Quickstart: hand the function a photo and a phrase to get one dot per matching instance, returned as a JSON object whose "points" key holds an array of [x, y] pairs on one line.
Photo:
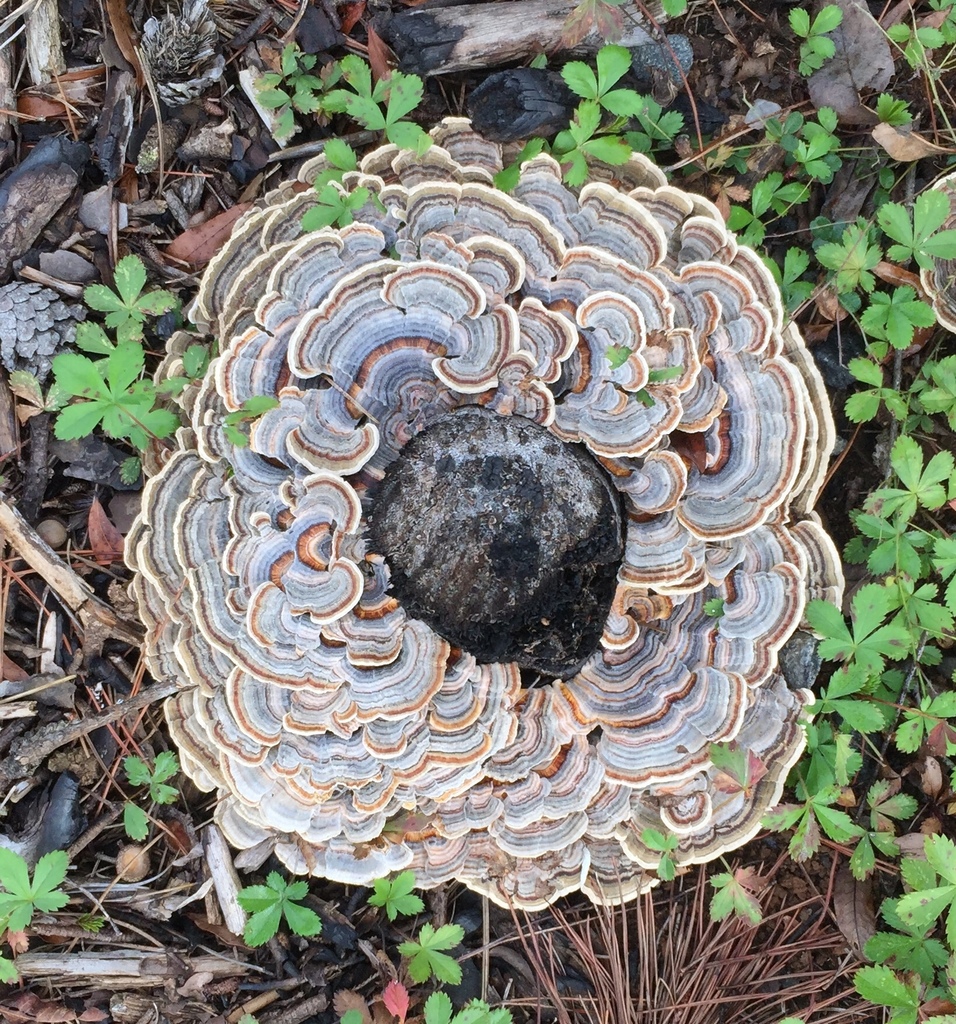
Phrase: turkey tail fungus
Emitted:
{"points": [[452, 607]]}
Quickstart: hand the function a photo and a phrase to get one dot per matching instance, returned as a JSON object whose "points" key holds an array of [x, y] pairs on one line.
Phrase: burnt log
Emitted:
{"points": [[435, 38], [520, 103]]}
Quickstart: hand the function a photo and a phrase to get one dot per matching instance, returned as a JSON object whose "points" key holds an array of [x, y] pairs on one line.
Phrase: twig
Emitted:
{"points": [[37, 474], [94, 614], [28, 751]]}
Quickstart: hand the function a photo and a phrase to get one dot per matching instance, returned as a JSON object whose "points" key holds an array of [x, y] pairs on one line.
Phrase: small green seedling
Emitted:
{"points": [[852, 259], [893, 111], [268, 904], [251, 409], [382, 107], [335, 206], [816, 47], [733, 897], [341, 159], [580, 140], [769, 194], [135, 819], [426, 956], [794, 290], [296, 88], [917, 233], [127, 308], [112, 391], [895, 317], [657, 376], [396, 895], [613, 62], [112, 396], [665, 845], [23, 897], [438, 1009]]}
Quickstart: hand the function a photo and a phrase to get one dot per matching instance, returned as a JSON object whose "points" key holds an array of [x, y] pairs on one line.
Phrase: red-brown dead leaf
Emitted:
{"points": [[19, 943], [751, 879], [123, 32], [198, 245], [195, 985], [220, 931], [930, 777], [28, 1008], [353, 11], [11, 670], [828, 304], [893, 274], [381, 59], [105, 540], [941, 739], [42, 108], [934, 1006], [911, 845], [177, 837], [847, 798], [591, 16]]}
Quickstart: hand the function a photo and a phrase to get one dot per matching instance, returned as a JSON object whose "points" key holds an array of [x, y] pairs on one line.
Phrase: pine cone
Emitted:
{"points": [[180, 51], [35, 324]]}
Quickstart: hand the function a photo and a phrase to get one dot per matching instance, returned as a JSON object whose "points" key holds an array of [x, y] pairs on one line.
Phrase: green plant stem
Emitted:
{"points": [[898, 353]]}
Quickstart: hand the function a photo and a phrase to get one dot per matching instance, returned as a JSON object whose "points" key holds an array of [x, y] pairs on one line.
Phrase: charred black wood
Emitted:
{"points": [[517, 104], [437, 38]]}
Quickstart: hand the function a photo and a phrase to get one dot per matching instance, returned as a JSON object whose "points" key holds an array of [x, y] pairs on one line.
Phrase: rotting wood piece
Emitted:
{"points": [[127, 968], [435, 40]]}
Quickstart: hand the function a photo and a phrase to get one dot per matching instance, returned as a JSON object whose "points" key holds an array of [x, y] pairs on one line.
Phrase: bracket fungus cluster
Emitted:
{"points": [[452, 607]]}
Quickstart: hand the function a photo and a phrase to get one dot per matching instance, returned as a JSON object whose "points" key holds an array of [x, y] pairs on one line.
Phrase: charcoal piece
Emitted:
{"points": [[517, 104], [63, 818], [709, 118], [116, 125], [832, 355]]}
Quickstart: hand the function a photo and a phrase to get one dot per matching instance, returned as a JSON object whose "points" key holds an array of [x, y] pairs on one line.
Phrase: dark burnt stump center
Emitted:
{"points": [[502, 538]]}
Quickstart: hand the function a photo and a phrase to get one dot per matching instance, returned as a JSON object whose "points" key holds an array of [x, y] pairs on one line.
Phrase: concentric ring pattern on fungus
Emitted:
{"points": [[353, 739]]}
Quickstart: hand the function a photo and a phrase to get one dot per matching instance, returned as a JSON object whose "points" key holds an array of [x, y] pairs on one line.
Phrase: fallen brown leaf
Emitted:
{"points": [[896, 275], [380, 57], [347, 999], [198, 245], [905, 145], [105, 540], [863, 61], [123, 32], [351, 15], [853, 909]]}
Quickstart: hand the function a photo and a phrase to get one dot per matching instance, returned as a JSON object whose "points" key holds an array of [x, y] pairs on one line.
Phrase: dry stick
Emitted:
{"points": [[127, 969], [73, 591], [27, 752], [37, 475]]}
